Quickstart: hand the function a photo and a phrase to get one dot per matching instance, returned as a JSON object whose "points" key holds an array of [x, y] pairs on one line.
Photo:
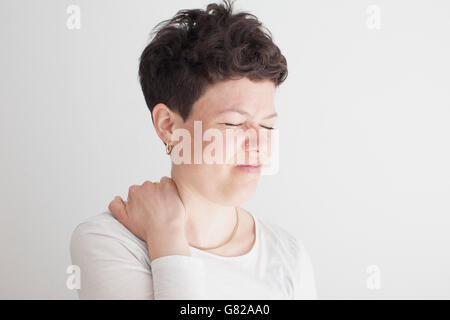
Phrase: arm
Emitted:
{"points": [[114, 268], [155, 214]]}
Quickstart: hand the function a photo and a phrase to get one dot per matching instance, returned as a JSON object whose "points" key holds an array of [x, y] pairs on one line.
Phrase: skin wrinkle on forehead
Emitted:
{"points": [[216, 116], [241, 111], [230, 91]]}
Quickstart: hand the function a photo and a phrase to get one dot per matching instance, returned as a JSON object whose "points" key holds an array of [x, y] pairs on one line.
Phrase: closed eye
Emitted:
{"points": [[239, 124], [232, 124]]}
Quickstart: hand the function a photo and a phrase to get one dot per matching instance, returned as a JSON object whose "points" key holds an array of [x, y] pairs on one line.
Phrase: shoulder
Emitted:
{"points": [[101, 224], [104, 234], [280, 236], [113, 263], [289, 245]]}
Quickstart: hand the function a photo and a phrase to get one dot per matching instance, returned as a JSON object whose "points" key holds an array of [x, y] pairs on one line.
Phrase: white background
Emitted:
{"points": [[364, 137]]}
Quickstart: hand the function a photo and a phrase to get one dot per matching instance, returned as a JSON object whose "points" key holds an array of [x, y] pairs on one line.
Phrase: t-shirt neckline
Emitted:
{"points": [[242, 256]]}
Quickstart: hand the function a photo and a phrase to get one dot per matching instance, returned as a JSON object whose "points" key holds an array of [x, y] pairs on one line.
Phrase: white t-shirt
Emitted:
{"points": [[115, 264]]}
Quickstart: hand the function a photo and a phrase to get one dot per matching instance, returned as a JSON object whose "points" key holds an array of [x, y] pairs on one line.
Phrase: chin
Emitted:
{"points": [[231, 187]]}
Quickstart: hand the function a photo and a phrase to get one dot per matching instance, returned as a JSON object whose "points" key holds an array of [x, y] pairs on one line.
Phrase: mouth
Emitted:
{"points": [[250, 168]]}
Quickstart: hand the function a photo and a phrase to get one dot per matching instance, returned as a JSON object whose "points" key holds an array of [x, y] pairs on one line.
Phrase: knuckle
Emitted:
{"points": [[164, 179], [148, 185], [170, 183]]}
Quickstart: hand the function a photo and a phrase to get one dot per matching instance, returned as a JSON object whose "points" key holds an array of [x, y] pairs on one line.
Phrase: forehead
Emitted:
{"points": [[254, 97]]}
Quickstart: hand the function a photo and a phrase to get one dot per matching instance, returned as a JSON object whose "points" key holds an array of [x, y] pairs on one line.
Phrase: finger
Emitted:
{"points": [[148, 186], [147, 183], [164, 182], [132, 191], [169, 181], [117, 208], [164, 179]]}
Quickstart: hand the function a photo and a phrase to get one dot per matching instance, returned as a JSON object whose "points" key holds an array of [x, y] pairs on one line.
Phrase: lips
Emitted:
{"points": [[250, 168]]}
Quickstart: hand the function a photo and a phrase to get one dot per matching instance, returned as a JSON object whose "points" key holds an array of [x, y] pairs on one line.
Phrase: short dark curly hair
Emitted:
{"points": [[197, 48]]}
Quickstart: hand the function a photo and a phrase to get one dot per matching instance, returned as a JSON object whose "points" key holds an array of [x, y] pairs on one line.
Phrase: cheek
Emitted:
{"points": [[212, 180], [240, 146], [225, 150], [218, 149], [221, 183]]}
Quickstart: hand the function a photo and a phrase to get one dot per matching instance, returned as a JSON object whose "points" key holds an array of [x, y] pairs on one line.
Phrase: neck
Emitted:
{"points": [[207, 223]]}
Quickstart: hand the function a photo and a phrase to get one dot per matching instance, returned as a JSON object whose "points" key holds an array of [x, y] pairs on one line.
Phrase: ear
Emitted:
{"points": [[165, 121]]}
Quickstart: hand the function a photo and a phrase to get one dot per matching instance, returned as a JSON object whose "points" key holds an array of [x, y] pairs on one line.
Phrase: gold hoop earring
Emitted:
{"points": [[169, 148]]}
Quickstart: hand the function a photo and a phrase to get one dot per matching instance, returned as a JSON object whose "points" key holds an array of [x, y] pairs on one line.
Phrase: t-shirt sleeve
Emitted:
{"points": [[112, 267], [305, 285], [178, 277]]}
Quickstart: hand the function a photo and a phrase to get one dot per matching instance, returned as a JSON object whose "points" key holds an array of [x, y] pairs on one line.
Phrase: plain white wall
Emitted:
{"points": [[364, 128]]}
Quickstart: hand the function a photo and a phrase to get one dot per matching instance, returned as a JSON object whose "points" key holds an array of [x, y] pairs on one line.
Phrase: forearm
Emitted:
{"points": [[178, 277]]}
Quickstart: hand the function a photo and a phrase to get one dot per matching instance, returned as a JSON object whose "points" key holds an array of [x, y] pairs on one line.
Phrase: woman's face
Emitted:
{"points": [[238, 108]]}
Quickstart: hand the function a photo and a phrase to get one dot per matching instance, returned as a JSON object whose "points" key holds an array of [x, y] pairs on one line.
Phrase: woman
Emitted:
{"points": [[185, 237]]}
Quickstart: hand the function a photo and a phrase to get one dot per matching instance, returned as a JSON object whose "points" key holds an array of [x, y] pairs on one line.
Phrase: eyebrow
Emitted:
{"points": [[273, 115]]}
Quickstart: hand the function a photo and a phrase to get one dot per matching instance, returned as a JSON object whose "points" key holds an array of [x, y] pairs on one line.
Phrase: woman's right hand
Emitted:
{"points": [[154, 213]]}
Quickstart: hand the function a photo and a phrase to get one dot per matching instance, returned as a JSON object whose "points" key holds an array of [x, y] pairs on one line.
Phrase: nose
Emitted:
{"points": [[251, 146], [251, 139]]}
